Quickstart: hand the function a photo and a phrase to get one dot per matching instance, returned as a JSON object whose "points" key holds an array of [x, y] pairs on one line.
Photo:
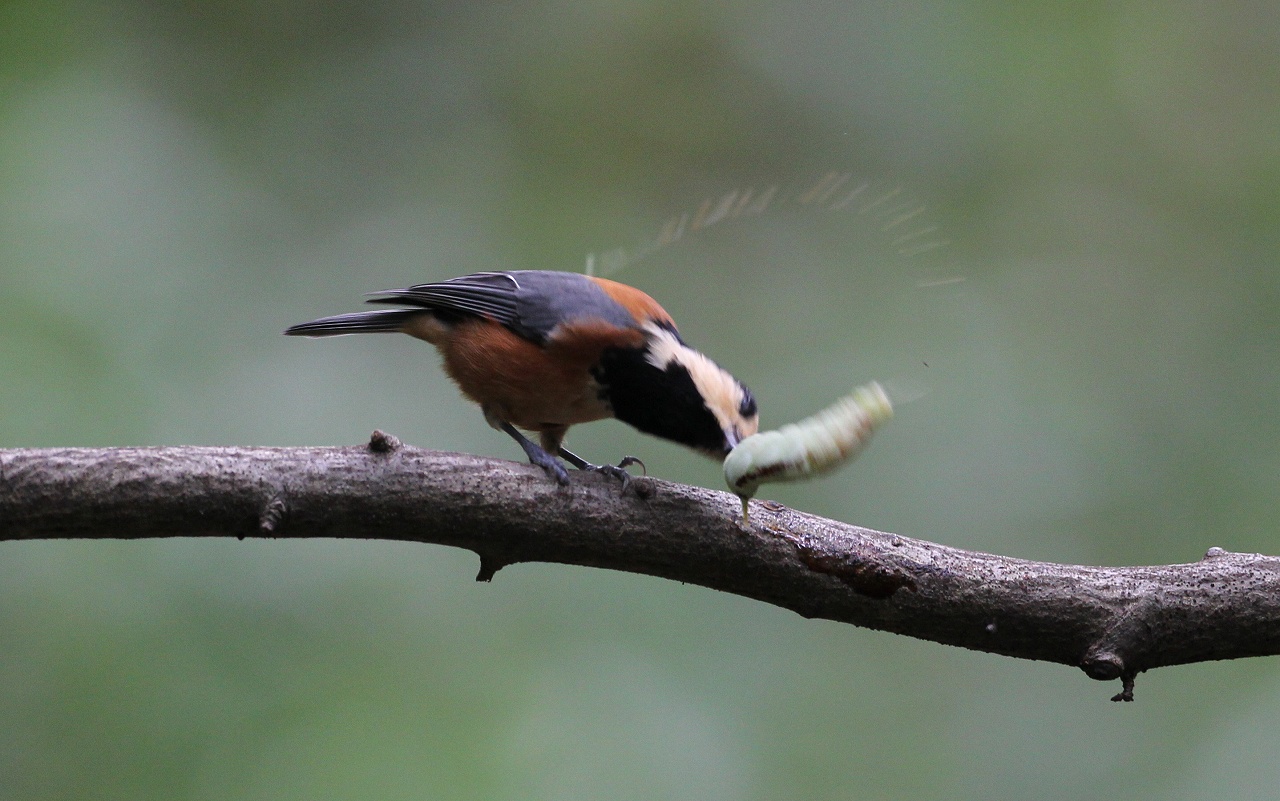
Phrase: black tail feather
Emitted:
{"points": [[383, 321]]}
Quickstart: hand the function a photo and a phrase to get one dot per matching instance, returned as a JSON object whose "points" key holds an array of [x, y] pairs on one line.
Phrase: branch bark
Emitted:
{"points": [[1111, 622]]}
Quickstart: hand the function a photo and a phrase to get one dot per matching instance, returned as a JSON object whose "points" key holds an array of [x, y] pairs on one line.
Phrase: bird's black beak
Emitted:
{"points": [[731, 440]]}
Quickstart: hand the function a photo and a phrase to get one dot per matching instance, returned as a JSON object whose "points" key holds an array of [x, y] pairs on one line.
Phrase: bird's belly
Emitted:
{"points": [[535, 405], [520, 381]]}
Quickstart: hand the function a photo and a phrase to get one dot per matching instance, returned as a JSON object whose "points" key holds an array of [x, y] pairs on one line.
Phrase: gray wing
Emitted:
{"points": [[482, 294], [529, 302]]}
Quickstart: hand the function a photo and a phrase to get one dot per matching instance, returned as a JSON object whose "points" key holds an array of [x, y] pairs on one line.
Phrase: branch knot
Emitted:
{"points": [[382, 442], [272, 515]]}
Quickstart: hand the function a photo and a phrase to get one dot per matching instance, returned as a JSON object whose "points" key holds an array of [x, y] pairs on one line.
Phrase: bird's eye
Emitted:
{"points": [[748, 406]]}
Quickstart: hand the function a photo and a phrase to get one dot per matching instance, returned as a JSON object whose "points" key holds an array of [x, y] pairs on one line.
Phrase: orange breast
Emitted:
{"points": [[529, 385]]}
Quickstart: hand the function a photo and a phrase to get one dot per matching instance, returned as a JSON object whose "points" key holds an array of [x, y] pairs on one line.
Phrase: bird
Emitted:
{"points": [[540, 351]]}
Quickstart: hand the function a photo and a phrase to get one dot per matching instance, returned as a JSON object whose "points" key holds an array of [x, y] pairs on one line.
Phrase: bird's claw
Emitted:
{"points": [[553, 468], [557, 472], [618, 471], [627, 461]]}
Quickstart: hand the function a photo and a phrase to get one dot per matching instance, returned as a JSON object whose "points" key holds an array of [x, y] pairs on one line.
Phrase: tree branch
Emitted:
{"points": [[1110, 622]]}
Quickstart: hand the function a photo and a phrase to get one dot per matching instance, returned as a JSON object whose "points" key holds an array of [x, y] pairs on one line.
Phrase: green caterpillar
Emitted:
{"points": [[817, 444]]}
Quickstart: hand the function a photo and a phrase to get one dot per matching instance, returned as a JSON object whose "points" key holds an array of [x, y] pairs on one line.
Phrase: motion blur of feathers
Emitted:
{"points": [[894, 213]]}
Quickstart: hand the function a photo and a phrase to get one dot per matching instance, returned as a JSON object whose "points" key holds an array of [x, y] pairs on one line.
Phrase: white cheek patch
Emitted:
{"points": [[720, 391], [663, 346]]}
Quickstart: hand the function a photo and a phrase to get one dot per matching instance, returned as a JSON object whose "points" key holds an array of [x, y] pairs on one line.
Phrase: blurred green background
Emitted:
{"points": [[1092, 359]]}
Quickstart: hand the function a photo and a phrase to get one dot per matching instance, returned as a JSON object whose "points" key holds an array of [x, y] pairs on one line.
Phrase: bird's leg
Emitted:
{"points": [[618, 471], [537, 455]]}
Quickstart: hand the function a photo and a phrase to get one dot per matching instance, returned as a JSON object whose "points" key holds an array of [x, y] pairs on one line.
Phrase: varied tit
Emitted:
{"points": [[542, 351]]}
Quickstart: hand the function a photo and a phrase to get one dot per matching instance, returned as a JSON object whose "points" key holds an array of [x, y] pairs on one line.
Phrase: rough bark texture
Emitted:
{"points": [[1110, 622]]}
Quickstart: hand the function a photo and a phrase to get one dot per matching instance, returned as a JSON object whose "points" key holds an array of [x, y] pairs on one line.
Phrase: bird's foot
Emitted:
{"points": [[553, 467], [618, 471], [537, 455]]}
